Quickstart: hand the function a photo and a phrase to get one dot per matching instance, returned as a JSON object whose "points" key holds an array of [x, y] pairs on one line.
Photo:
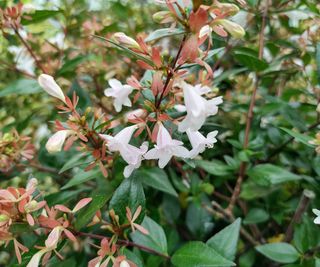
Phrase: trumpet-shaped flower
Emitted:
{"points": [[165, 148], [131, 154], [51, 87], [120, 93], [198, 108], [56, 141], [200, 142], [317, 219]]}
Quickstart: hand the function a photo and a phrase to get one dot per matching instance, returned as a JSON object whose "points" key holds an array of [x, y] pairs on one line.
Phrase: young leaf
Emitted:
{"points": [[158, 179], [81, 177], [256, 215], [198, 254], [225, 242], [156, 239], [161, 33], [129, 194], [266, 174], [21, 87], [279, 252], [298, 136]]}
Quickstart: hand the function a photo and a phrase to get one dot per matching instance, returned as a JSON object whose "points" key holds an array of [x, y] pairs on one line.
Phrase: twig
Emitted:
{"points": [[171, 72], [38, 63], [307, 195], [283, 145], [126, 243], [243, 165]]}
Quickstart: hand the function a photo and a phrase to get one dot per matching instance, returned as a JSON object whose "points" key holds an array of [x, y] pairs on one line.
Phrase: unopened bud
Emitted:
{"points": [[123, 39], [3, 218], [31, 206], [318, 108], [124, 264], [233, 28], [231, 9], [163, 17], [51, 87]]}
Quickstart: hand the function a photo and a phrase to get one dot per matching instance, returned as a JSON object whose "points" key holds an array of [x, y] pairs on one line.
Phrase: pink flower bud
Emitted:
{"points": [[163, 17], [56, 141], [124, 264], [233, 28], [123, 39]]}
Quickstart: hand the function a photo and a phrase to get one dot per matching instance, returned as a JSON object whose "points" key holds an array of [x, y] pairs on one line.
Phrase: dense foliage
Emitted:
{"points": [[160, 133]]}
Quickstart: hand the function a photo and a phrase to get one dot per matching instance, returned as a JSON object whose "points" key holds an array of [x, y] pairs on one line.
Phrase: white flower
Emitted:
{"points": [[124, 264], [165, 148], [317, 219], [199, 142], [56, 141], [120, 93], [51, 87], [198, 108], [131, 154]]}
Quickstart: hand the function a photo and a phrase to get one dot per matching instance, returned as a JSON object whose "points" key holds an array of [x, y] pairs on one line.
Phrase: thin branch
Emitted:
{"points": [[38, 63], [243, 165], [302, 207], [283, 145], [126, 243]]}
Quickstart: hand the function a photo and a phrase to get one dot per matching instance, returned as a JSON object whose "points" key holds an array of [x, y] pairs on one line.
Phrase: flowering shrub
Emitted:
{"points": [[184, 133]]}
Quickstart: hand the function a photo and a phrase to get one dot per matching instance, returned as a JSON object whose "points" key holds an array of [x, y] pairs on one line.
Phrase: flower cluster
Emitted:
{"points": [[26, 207], [163, 104], [14, 148]]}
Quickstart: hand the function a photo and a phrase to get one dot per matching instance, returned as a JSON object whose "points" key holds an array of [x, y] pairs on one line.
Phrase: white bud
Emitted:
{"points": [[124, 264], [122, 38], [233, 28], [318, 108], [51, 87], [56, 141]]}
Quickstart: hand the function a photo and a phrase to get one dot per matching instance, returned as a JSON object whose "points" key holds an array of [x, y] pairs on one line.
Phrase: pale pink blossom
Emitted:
{"points": [[199, 142], [131, 154], [317, 219], [198, 108], [120, 93], [165, 148]]}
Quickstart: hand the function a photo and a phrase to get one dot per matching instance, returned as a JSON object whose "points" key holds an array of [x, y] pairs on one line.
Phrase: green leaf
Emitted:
{"points": [[256, 215], [38, 16], [129, 194], [71, 64], [21, 87], [198, 254], [161, 33], [298, 136], [214, 167], [279, 252], [156, 239], [249, 58], [73, 162], [266, 174], [86, 214], [19, 228], [225, 242], [158, 179], [125, 49], [82, 177]]}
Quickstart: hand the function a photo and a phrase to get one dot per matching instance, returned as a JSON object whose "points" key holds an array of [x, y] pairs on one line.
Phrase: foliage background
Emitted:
{"points": [[281, 164]]}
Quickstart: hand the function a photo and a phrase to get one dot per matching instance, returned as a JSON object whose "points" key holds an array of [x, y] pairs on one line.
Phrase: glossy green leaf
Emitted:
{"points": [[38, 16], [279, 252], [85, 215], [158, 179], [225, 242], [256, 215], [161, 33], [198, 254], [82, 177], [298, 136], [214, 167], [129, 194], [156, 239], [266, 174]]}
